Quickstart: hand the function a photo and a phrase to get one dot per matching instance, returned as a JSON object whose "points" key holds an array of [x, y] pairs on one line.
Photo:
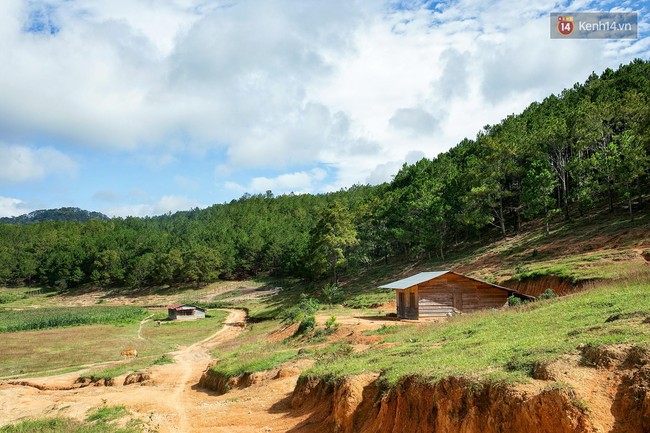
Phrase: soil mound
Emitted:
{"points": [[459, 405]]}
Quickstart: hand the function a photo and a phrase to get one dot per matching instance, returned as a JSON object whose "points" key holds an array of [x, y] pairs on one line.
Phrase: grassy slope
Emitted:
{"points": [[65, 348], [600, 246], [505, 345]]}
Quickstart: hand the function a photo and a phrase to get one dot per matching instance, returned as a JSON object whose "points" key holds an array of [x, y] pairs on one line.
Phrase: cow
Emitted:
{"points": [[130, 352]]}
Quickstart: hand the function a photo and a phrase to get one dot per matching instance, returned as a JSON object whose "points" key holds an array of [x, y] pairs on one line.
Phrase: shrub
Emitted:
{"points": [[306, 307], [307, 324], [548, 294], [331, 323], [514, 301], [332, 293]]}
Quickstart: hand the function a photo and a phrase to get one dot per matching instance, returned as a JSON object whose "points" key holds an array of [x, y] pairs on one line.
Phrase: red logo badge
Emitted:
{"points": [[565, 25]]}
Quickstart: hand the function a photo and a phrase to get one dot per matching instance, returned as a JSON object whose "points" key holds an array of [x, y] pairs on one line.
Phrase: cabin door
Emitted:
{"points": [[400, 305], [458, 300]]}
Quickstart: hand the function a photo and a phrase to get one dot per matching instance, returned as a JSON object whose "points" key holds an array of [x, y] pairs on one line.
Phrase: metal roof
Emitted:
{"points": [[426, 276], [413, 280], [184, 307]]}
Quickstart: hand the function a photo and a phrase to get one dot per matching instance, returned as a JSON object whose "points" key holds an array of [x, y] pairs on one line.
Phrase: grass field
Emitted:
{"points": [[505, 345], [63, 425], [51, 317], [33, 352]]}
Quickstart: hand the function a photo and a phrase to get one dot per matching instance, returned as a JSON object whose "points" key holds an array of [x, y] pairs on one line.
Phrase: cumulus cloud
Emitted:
{"points": [[414, 121], [10, 207], [166, 204], [23, 163], [386, 171], [351, 85], [297, 182]]}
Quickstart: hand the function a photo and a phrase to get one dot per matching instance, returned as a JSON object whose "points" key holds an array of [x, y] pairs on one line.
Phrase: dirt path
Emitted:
{"points": [[192, 361], [173, 403], [142, 322], [164, 406]]}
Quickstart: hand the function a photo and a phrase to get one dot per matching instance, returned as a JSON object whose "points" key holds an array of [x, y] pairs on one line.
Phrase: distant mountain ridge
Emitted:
{"points": [[64, 214]]}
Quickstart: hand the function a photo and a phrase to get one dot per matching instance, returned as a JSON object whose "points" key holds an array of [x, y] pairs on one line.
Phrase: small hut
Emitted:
{"points": [[184, 312], [443, 293]]}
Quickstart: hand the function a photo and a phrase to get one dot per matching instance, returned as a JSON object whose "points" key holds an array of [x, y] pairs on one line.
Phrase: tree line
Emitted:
{"points": [[586, 148]]}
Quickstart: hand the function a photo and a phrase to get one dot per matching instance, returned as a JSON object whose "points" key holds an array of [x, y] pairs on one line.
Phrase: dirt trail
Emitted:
{"points": [[164, 407], [142, 322]]}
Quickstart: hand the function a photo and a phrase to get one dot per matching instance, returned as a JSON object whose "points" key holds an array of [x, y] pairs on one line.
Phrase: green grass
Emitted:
{"points": [[64, 425], [47, 318], [107, 414], [368, 299], [164, 359], [118, 370], [252, 352], [504, 345], [608, 264], [249, 359], [37, 352], [8, 296]]}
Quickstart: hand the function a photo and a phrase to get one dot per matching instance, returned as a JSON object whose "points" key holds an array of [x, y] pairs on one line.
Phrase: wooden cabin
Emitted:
{"points": [[184, 312], [444, 293]]}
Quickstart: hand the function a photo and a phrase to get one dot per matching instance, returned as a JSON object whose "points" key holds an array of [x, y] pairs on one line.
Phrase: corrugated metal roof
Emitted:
{"points": [[426, 276], [413, 280]]}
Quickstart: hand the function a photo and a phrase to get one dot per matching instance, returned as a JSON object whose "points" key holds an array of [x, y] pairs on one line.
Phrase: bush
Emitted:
{"points": [[332, 293], [307, 325], [306, 307], [331, 323], [548, 294], [514, 301]]}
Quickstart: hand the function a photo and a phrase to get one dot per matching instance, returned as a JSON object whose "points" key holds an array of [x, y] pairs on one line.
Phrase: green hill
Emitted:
{"points": [[64, 214]]}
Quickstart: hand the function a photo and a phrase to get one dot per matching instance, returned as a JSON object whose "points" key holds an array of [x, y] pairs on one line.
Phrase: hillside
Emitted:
{"points": [[575, 363], [64, 214], [581, 152]]}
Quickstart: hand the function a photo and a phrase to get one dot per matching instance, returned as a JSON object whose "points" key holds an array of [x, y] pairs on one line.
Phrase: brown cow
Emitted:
{"points": [[130, 352]]}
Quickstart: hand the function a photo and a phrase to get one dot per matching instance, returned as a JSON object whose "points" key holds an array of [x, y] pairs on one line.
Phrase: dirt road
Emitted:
{"points": [[172, 404]]}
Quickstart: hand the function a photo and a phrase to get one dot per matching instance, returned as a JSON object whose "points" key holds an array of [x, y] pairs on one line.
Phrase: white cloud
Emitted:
{"points": [[386, 171], [10, 207], [297, 182], [168, 203], [415, 121], [351, 85], [22, 163]]}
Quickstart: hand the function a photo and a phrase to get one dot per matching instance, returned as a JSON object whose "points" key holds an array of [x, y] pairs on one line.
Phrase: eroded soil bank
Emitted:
{"points": [[606, 391]]}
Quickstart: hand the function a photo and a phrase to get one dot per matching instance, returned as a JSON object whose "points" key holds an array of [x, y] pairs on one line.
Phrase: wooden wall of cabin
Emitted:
{"points": [[407, 303], [440, 296]]}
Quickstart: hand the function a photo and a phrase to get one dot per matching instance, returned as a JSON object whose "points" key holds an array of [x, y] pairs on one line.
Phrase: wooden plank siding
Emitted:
{"points": [[450, 292], [407, 303]]}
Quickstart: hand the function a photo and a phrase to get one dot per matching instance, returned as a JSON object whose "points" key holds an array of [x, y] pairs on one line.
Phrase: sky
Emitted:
{"points": [[144, 107]]}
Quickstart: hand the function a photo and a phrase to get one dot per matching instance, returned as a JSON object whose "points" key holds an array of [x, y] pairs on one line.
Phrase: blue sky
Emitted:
{"points": [[141, 107]]}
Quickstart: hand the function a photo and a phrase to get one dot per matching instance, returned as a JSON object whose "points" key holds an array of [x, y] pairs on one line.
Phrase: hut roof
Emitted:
{"points": [[413, 280], [184, 307], [426, 276]]}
